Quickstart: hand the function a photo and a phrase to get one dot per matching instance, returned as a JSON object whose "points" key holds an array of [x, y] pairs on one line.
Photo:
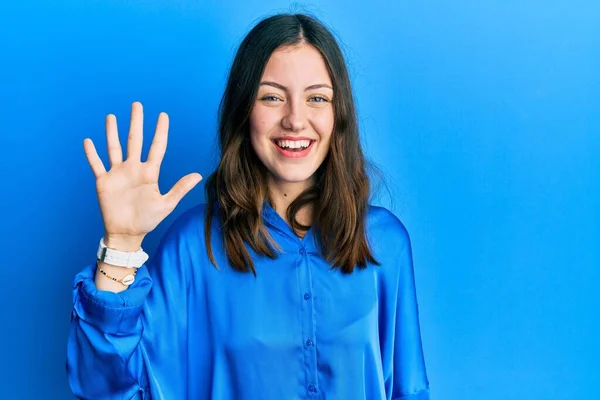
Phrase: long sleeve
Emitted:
{"points": [[132, 345], [187, 330], [405, 376]]}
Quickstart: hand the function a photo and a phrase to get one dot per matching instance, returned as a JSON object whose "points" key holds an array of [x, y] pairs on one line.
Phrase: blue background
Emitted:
{"points": [[484, 117]]}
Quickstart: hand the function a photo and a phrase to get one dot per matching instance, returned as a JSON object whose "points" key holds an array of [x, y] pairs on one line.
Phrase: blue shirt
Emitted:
{"points": [[299, 330]]}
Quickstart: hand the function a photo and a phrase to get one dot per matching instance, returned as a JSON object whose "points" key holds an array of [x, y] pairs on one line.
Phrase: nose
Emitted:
{"points": [[294, 118]]}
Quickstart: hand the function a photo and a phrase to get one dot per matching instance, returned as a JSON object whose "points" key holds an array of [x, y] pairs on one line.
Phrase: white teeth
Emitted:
{"points": [[293, 144]]}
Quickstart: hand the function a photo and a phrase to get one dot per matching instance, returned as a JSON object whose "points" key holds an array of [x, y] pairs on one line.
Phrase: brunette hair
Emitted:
{"points": [[239, 187]]}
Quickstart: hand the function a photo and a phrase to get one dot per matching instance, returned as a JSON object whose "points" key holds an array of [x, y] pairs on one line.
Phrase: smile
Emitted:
{"points": [[294, 148]]}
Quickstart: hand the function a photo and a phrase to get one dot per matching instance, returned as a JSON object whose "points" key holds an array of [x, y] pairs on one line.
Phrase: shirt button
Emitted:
{"points": [[306, 296], [312, 388], [302, 251], [309, 343]]}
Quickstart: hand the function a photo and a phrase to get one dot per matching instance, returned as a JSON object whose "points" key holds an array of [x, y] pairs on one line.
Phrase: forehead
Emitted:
{"points": [[300, 65]]}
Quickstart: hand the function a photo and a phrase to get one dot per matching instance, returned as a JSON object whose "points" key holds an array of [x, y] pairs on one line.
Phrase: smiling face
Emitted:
{"points": [[292, 118]]}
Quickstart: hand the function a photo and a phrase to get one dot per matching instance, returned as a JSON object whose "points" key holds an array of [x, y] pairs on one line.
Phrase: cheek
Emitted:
{"points": [[261, 124], [262, 121], [254, 125], [324, 125], [257, 128]]}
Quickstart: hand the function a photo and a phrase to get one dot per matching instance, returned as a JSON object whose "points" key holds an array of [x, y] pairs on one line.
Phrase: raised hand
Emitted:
{"points": [[130, 201]]}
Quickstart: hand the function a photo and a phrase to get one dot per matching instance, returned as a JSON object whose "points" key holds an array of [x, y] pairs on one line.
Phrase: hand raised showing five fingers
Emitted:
{"points": [[130, 201]]}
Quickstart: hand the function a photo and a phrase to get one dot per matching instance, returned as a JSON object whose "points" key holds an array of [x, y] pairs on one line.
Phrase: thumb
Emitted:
{"points": [[181, 188]]}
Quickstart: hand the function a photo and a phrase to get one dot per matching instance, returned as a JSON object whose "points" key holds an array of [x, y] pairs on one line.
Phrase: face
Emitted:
{"points": [[292, 119]]}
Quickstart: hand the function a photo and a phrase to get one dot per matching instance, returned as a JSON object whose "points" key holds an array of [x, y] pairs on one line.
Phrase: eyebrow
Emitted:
{"points": [[279, 86]]}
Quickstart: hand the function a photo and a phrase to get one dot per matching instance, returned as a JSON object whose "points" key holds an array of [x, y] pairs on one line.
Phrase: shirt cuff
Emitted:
{"points": [[108, 311]]}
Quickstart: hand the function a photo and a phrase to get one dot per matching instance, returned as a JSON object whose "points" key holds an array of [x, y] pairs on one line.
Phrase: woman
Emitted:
{"points": [[286, 284]]}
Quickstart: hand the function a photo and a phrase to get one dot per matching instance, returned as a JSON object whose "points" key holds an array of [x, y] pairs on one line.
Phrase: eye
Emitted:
{"points": [[318, 99], [271, 98]]}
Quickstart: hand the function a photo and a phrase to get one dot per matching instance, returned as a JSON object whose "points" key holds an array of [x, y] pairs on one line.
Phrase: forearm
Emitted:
{"points": [[97, 369]]}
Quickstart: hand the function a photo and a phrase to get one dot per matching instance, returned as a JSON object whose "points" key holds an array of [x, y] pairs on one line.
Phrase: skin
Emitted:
{"points": [[294, 100]]}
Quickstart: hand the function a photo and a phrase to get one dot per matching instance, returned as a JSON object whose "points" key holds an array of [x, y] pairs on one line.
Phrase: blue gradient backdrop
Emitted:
{"points": [[483, 116]]}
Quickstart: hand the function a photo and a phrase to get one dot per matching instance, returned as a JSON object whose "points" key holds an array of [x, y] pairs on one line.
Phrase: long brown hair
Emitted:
{"points": [[239, 187]]}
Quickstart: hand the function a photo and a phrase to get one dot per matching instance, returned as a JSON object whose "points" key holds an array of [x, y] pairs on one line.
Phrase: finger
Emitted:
{"points": [[92, 157], [181, 188], [115, 153], [135, 139], [159, 143]]}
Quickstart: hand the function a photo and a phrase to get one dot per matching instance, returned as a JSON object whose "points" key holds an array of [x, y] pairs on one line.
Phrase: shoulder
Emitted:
{"points": [[184, 237], [188, 225], [189, 220], [386, 232], [381, 223]]}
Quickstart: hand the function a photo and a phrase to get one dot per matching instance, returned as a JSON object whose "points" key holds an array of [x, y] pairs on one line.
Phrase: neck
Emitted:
{"points": [[284, 193]]}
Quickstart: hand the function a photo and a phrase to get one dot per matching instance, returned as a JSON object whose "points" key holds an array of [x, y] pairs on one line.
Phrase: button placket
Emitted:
{"points": [[308, 340]]}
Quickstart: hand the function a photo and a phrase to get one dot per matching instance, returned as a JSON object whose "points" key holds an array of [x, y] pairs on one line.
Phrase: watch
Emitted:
{"points": [[127, 259]]}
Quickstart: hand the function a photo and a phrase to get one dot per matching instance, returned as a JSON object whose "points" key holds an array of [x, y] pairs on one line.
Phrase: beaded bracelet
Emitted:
{"points": [[126, 280]]}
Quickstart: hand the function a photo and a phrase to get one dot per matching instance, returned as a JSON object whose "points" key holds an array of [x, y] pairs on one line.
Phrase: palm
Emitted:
{"points": [[129, 197]]}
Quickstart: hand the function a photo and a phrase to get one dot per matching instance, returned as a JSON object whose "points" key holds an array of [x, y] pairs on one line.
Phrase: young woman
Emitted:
{"points": [[286, 284]]}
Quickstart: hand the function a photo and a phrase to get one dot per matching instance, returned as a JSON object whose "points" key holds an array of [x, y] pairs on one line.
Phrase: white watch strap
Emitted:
{"points": [[118, 258]]}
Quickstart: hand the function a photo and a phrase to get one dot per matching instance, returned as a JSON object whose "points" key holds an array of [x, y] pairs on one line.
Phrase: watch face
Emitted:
{"points": [[128, 279]]}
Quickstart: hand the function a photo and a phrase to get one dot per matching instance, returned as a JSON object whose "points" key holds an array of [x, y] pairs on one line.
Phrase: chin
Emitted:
{"points": [[292, 177]]}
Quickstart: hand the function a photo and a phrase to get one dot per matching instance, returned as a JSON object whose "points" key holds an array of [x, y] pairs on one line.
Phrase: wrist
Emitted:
{"points": [[123, 242], [122, 251], [124, 276]]}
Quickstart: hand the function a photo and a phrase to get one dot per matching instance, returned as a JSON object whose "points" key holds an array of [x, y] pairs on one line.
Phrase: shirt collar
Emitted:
{"points": [[279, 229], [273, 220]]}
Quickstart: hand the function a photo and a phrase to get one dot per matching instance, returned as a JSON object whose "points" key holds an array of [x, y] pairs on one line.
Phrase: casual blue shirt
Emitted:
{"points": [[299, 330]]}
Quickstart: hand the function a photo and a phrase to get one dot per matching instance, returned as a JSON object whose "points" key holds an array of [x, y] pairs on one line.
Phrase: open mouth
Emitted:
{"points": [[293, 148], [293, 145]]}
